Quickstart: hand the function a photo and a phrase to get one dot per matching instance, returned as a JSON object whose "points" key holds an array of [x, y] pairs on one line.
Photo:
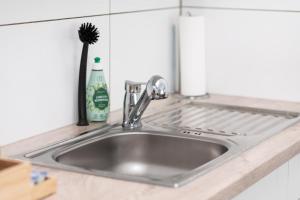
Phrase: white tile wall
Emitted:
{"points": [[15, 11], [252, 53], [39, 74], [249, 53], [133, 5], [142, 45], [40, 61], [283, 5]]}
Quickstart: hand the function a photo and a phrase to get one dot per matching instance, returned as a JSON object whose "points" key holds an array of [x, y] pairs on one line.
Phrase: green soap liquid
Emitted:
{"points": [[97, 97]]}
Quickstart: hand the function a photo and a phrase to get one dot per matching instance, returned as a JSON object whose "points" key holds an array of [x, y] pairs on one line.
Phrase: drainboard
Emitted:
{"points": [[223, 119]]}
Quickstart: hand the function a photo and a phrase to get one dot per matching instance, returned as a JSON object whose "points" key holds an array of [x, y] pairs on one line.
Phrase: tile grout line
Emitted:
{"points": [[180, 7], [89, 16], [242, 9]]}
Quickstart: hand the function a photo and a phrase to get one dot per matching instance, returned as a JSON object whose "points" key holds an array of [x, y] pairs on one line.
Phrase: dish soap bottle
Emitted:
{"points": [[97, 95]]}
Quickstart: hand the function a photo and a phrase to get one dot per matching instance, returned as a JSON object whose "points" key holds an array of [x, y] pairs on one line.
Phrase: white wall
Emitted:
{"points": [[15, 11], [39, 74], [138, 5], [251, 52], [142, 45], [41, 51], [279, 5]]}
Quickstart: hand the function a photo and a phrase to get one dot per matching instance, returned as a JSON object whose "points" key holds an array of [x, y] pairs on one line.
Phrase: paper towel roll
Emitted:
{"points": [[192, 56]]}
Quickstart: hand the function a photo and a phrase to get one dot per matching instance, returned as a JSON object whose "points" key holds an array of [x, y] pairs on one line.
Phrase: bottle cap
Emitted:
{"points": [[97, 60], [97, 64]]}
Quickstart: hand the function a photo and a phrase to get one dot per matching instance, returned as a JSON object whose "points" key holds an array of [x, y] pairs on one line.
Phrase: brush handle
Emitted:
{"points": [[82, 116]]}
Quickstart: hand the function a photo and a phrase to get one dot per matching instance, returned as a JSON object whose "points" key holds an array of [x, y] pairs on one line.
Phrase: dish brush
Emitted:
{"points": [[88, 34]]}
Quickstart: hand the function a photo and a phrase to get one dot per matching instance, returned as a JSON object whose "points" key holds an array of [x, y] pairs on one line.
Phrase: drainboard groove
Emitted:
{"points": [[227, 123], [173, 116], [203, 117], [205, 113], [255, 124], [180, 114], [229, 116], [188, 116], [205, 121], [165, 114], [268, 125], [223, 120], [196, 114], [248, 119]]}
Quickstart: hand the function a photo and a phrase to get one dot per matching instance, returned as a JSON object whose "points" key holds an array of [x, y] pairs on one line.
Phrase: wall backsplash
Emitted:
{"points": [[146, 51], [41, 51], [252, 47]]}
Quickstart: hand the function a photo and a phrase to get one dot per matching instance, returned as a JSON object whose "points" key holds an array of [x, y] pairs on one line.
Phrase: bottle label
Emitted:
{"points": [[100, 98], [97, 97]]}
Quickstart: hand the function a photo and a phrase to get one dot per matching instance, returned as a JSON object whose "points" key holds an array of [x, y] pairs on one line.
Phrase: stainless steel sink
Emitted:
{"points": [[172, 147], [142, 154], [149, 154]]}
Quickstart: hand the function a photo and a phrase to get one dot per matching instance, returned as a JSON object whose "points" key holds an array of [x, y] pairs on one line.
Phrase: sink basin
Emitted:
{"points": [[143, 155]]}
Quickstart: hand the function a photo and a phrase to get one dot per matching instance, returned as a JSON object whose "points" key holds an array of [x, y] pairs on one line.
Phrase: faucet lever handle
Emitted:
{"points": [[133, 87]]}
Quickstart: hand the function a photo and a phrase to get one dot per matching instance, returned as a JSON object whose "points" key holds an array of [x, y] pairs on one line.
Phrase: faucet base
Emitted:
{"points": [[131, 125]]}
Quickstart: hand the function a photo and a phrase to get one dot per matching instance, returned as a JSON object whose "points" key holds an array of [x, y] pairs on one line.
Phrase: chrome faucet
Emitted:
{"points": [[136, 103]]}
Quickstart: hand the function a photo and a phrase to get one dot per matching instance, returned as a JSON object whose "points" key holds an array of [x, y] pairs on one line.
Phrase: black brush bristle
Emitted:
{"points": [[88, 33]]}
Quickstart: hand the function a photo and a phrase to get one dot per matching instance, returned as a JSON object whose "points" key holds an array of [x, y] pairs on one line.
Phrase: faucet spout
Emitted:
{"points": [[156, 89]]}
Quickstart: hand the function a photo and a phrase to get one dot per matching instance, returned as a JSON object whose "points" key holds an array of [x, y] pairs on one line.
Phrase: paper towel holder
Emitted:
{"points": [[191, 93]]}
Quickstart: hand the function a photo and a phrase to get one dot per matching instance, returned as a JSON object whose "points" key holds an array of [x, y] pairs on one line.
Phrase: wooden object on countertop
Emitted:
{"points": [[15, 182]]}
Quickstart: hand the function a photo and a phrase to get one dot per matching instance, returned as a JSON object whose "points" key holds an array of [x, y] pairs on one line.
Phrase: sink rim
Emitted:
{"points": [[174, 181], [44, 155]]}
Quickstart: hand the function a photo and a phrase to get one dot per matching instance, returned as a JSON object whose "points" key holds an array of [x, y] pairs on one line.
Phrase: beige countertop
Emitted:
{"points": [[224, 182]]}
